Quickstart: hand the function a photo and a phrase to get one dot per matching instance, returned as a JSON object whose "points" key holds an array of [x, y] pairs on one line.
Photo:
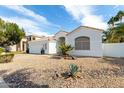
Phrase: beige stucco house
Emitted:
{"points": [[87, 41], [23, 45]]}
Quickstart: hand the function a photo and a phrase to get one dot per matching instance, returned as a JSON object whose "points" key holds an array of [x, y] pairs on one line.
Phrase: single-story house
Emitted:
{"points": [[87, 41]]}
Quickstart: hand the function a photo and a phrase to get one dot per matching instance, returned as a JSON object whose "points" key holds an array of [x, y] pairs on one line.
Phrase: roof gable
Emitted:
{"points": [[61, 32], [87, 27]]}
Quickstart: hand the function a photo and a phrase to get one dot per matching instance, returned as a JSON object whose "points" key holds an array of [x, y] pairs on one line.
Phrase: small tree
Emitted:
{"points": [[10, 33], [13, 34], [64, 49]]}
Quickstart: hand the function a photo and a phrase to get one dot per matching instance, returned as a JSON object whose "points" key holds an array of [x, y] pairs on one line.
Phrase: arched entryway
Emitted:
{"points": [[60, 41]]}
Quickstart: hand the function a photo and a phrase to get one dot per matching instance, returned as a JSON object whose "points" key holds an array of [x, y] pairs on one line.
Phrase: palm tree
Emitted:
{"points": [[116, 18], [120, 15], [111, 21], [116, 34], [106, 35]]}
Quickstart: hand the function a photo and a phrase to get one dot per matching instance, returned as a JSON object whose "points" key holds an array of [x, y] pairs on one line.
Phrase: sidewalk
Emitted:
{"points": [[3, 84]]}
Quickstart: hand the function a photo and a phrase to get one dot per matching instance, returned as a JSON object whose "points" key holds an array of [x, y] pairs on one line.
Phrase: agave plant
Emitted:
{"points": [[73, 72], [73, 69]]}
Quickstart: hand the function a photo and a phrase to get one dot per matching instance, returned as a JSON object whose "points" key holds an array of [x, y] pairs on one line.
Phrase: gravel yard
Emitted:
{"points": [[44, 71]]}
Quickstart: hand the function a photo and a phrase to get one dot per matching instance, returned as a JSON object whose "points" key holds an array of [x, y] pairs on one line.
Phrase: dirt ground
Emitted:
{"points": [[28, 70]]}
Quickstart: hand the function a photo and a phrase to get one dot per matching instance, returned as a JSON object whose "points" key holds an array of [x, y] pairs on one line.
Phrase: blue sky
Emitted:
{"points": [[49, 19]]}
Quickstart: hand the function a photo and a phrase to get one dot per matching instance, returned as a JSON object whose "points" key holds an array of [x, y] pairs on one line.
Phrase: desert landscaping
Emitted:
{"points": [[46, 71]]}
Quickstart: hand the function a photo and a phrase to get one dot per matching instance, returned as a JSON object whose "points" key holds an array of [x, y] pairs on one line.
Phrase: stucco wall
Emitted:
{"points": [[95, 42], [113, 49]]}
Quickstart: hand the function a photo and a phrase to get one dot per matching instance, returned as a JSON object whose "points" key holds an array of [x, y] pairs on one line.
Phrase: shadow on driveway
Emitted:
{"points": [[21, 79]]}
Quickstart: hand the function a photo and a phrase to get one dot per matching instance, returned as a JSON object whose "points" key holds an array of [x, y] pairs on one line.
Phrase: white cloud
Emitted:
{"points": [[94, 21], [29, 13], [37, 25], [30, 26], [85, 15], [24, 11]]}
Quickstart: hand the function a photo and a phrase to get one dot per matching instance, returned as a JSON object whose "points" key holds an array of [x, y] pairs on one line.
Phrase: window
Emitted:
{"points": [[82, 43]]}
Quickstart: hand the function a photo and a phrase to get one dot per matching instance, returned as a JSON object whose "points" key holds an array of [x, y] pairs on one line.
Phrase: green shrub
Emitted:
{"points": [[6, 58], [64, 49], [2, 50]]}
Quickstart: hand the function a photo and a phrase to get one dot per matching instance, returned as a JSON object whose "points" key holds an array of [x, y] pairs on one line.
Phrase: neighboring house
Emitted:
{"points": [[23, 45], [45, 45], [87, 41]]}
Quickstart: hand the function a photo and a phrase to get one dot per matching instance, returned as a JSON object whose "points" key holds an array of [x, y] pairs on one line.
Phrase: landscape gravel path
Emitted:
{"points": [[43, 71]]}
